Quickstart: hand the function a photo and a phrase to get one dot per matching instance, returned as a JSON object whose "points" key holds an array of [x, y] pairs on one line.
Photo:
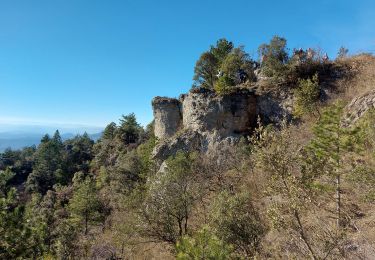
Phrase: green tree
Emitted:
{"points": [[205, 71], [237, 222], [307, 96], [85, 205], [13, 232], [206, 68], [238, 66], [129, 129], [274, 56], [48, 159], [330, 143], [20, 162], [221, 50], [5, 177], [295, 191], [203, 245], [40, 222], [224, 85], [110, 131], [169, 201], [78, 155], [363, 175]]}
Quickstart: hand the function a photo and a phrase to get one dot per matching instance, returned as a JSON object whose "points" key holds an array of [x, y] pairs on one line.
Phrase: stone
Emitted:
{"points": [[272, 108], [167, 116], [202, 121], [358, 107], [233, 113], [205, 122]]}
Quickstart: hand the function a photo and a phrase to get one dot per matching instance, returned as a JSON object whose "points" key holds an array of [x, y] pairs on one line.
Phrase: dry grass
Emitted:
{"points": [[361, 69]]}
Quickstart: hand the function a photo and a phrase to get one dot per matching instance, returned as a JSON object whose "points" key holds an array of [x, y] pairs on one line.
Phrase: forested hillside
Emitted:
{"points": [[300, 187]]}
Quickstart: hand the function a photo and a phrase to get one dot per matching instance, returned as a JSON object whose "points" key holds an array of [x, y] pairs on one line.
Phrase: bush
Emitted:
{"points": [[223, 60], [237, 222], [203, 245], [274, 56], [238, 62], [170, 199], [307, 96], [223, 85]]}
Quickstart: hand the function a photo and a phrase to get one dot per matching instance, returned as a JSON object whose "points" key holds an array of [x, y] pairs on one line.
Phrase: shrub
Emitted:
{"points": [[223, 60], [307, 96], [223, 85], [203, 245], [237, 222], [274, 56]]}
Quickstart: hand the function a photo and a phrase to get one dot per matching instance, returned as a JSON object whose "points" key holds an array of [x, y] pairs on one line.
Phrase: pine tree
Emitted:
{"points": [[330, 143], [203, 245], [85, 205], [307, 96], [129, 129], [48, 160]]}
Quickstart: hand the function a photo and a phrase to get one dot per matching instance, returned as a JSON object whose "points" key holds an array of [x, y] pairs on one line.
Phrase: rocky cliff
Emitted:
{"points": [[202, 121], [202, 110]]}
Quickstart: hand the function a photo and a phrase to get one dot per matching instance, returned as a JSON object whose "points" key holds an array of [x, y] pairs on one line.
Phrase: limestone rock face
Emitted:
{"points": [[194, 141], [273, 107], [358, 107], [186, 141], [202, 121], [230, 114], [167, 116]]}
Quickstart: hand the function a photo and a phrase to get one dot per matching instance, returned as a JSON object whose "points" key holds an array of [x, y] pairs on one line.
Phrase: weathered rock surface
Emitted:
{"points": [[202, 121], [167, 116], [230, 114], [273, 107], [358, 107], [193, 141], [203, 110]]}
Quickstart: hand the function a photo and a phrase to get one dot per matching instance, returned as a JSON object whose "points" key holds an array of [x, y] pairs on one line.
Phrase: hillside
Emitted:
{"points": [[267, 159]]}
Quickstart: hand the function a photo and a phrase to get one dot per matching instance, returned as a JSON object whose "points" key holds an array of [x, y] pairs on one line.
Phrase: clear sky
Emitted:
{"points": [[89, 61]]}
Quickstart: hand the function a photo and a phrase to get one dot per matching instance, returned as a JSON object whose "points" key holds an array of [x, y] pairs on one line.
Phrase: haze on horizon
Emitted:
{"points": [[87, 62]]}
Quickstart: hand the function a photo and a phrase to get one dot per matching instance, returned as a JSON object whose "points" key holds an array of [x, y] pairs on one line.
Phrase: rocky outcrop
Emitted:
{"points": [[229, 114], [358, 107], [167, 116], [202, 121], [203, 110], [209, 143], [272, 107]]}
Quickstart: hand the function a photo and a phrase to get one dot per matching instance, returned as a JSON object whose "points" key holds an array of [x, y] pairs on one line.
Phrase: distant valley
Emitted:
{"points": [[19, 136]]}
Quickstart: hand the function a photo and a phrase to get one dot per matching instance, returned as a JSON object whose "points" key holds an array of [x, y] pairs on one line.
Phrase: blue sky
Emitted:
{"points": [[88, 61]]}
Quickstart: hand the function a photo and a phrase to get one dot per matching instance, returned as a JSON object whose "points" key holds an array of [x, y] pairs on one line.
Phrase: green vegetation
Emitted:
{"points": [[301, 189], [204, 245], [274, 57], [237, 222], [307, 96], [223, 67]]}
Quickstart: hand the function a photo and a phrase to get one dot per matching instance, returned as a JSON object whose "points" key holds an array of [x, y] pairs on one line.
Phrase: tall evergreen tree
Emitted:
{"points": [[330, 143], [48, 159], [85, 205], [129, 129]]}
